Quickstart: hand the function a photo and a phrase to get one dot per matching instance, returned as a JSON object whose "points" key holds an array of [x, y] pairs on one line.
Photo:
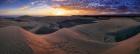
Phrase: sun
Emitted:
{"points": [[59, 12]]}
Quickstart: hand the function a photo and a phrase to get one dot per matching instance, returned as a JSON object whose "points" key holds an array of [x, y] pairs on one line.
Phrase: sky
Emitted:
{"points": [[68, 7]]}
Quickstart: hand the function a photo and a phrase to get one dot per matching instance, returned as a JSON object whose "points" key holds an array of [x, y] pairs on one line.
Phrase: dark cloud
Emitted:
{"points": [[7, 1], [131, 5]]}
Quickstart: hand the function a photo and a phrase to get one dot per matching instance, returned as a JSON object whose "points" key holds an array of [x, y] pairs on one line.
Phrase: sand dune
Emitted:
{"points": [[99, 31], [15, 40], [12, 41], [82, 39], [129, 46], [73, 42]]}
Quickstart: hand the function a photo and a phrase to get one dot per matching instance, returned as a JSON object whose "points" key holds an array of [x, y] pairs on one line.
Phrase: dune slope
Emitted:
{"points": [[15, 40], [82, 39], [12, 41]]}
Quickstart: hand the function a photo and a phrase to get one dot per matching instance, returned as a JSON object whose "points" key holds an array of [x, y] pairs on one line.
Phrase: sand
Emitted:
{"points": [[82, 39]]}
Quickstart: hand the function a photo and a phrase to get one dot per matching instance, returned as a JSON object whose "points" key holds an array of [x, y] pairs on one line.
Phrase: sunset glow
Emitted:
{"points": [[59, 12], [72, 7], [48, 12]]}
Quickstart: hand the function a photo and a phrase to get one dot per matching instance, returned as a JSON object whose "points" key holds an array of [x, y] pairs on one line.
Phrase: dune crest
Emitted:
{"points": [[12, 41], [64, 41], [81, 39]]}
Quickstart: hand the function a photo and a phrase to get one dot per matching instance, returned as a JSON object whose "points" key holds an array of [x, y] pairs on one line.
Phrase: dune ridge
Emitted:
{"points": [[30, 43], [81, 39]]}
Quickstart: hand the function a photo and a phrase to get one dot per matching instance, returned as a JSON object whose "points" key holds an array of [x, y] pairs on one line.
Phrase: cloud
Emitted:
{"points": [[59, 0], [44, 7], [7, 1]]}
